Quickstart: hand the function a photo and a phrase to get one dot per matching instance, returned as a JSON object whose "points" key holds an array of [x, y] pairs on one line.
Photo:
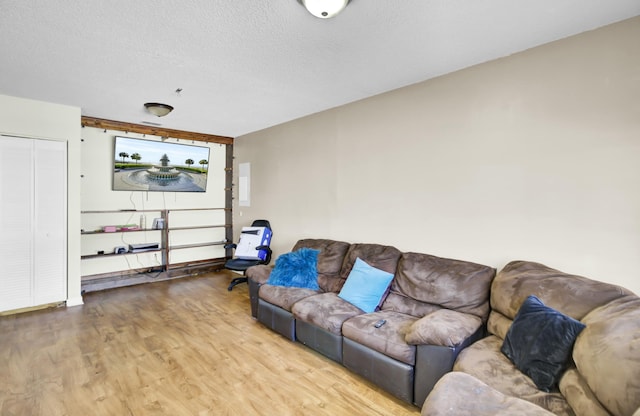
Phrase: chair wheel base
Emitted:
{"points": [[235, 282]]}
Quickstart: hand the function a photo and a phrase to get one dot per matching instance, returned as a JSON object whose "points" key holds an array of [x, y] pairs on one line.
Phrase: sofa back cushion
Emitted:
{"points": [[569, 294], [330, 261], [426, 283], [607, 354], [375, 255]]}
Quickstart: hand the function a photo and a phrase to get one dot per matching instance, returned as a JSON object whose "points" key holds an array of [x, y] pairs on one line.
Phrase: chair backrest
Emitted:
{"points": [[265, 254], [261, 223]]}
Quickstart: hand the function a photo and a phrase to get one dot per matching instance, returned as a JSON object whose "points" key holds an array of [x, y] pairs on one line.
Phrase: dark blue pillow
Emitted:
{"points": [[540, 341], [296, 269]]}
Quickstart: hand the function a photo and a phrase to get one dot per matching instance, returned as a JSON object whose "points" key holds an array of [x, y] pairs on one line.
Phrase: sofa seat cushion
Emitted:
{"points": [[284, 297], [443, 327], [486, 362], [463, 395], [326, 311], [388, 339]]}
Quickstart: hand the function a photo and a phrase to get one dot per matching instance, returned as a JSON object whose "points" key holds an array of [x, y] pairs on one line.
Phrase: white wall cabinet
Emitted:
{"points": [[33, 222]]}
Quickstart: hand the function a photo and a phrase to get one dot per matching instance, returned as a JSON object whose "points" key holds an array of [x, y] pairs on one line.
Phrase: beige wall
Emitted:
{"points": [[40, 120], [535, 156]]}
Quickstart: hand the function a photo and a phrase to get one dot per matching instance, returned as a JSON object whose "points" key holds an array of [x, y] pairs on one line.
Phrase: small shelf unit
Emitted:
{"points": [[164, 239]]}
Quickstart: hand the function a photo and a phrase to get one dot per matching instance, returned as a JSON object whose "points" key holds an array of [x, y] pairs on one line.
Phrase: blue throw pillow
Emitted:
{"points": [[296, 269], [365, 286], [540, 341]]}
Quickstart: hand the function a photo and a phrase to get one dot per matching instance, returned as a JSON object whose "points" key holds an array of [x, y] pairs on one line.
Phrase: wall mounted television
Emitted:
{"points": [[148, 165]]}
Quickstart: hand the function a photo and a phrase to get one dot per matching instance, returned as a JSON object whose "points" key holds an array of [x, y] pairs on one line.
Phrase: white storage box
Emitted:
{"points": [[250, 238]]}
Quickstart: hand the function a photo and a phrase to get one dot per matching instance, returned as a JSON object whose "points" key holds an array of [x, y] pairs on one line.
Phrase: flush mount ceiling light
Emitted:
{"points": [[158, 109], [324, 9]]}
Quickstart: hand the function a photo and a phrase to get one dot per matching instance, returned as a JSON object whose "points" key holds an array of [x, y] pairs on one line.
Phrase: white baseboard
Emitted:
{"points": [[75, 301]]}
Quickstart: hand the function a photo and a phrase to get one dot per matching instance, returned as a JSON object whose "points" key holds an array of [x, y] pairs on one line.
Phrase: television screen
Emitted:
{"points": [[147, 165]]}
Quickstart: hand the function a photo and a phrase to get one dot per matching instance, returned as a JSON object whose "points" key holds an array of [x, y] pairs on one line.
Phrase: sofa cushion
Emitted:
{"points": [[607, 354], [572, 295], [296, 269], [498, 324], [540, 342], [284, 297], [575, 389], [443, 327], [484, 360], [376, 255], [444, 283], [330, 261], [398, 302], [388, 339], [460, 394], [326, 311], [366, 286]]}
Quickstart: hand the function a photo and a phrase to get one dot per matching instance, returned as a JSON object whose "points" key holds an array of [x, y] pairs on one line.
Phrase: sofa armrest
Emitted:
{"points": [[463, 395], [256, 277], [443, 327], [260, 273]]}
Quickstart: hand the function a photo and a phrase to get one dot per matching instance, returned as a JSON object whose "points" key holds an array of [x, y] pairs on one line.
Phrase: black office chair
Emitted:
{"points": [[241, 265]]}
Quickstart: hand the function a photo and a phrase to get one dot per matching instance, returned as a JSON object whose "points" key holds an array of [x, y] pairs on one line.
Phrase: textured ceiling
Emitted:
{"points": [[244, 65]]}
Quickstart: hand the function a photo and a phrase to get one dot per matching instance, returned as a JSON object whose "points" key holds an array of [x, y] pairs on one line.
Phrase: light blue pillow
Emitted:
{"points": [[296, 269], [365, 286]]}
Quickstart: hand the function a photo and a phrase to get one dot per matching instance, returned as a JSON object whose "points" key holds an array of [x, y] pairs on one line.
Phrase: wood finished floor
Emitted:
{"points": [[182, 347]]}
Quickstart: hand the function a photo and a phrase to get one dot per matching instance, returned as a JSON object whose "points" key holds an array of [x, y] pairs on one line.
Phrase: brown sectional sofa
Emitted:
{"points": [[435, 307], [443, 338], [603, 377]]}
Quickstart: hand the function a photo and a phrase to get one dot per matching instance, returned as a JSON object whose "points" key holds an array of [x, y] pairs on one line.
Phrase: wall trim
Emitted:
{"points": [[75, 301], [154, 131]]}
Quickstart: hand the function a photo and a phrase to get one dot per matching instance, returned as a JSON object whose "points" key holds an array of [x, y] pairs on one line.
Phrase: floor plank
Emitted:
{"points": [[181, 347]]}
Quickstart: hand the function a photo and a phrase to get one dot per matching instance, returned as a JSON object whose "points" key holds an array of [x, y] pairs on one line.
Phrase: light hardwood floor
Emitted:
{"points": [[182, 347]]}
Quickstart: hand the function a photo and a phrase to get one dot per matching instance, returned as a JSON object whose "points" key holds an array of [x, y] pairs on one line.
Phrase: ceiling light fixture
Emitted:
{"points": [[158, 109], [324, 9]]}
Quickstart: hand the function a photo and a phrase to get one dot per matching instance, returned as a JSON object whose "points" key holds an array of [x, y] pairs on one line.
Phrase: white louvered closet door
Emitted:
{"points": [[32, 222]]}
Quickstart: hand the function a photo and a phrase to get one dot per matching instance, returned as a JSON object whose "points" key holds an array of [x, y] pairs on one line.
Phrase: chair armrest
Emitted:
{"points": [[231, 245], [269, 253], [443, 327]]}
